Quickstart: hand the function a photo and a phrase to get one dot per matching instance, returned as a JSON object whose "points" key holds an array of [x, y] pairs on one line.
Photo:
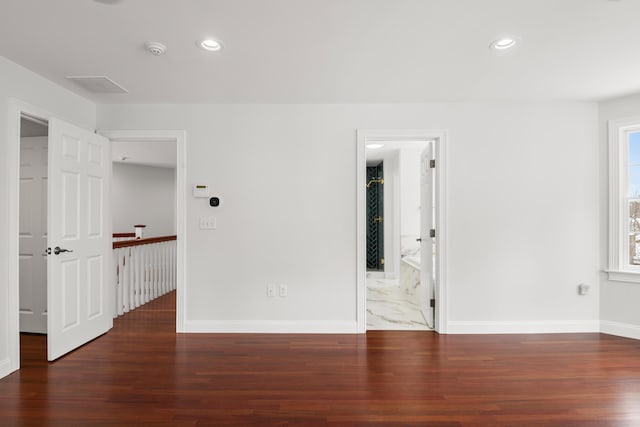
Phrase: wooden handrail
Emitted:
{"points": [[127, 243], [132, 234]]}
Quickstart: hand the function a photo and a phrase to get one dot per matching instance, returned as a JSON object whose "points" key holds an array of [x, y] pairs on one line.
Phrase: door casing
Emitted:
{"points": [[15, 109], [439, 138], [180, 138]]}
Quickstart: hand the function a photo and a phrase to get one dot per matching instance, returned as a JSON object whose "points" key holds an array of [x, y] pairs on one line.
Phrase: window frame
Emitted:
{"points": [[619, 267]]}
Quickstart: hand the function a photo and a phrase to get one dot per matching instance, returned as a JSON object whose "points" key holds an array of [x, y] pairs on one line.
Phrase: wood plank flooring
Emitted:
{"points": [[141, 373]]}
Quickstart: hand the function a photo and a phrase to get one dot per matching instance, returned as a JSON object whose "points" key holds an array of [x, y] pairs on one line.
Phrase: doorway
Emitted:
{"points": [[140, 142], [18, 109], [59, 261], [399, 286], [406, 291], [32, 256]]}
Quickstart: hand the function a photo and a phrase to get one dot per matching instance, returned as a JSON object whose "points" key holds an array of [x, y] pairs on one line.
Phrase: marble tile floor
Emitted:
{"points": [[391, 307]]}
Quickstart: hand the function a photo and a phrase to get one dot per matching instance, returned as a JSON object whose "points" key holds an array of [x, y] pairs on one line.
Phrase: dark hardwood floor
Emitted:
{"points": [[142, 373]]}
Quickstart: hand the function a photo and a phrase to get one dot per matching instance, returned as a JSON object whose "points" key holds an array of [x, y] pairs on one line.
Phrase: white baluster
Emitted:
{"points": [[143, 273], [144, 257], [159, 266], [135, 280], [152, 289], [144, 297], [174, 263], [118, 287], [156, 276], [171, 265], [124, 275], [130, 290], [165, 266]]}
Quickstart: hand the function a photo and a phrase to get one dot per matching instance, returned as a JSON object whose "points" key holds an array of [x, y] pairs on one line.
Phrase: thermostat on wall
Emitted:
{"points": [[215, 201], [201, 190]]}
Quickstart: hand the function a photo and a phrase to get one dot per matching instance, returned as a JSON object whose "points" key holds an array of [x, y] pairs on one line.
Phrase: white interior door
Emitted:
{"points": [[33, 234], [426, 241], [79, 297]]}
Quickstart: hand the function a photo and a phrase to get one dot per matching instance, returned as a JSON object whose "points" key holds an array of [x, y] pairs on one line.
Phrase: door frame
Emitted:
{"points": [[180, 138], [439, 138], [15, 110]]}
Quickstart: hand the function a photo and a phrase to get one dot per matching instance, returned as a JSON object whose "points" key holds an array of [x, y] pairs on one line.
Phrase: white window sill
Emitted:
{"points": [[624, 276]]}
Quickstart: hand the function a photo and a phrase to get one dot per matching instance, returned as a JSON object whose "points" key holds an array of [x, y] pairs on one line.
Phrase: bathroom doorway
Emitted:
{"points": [[399, 194], [398, 284]]}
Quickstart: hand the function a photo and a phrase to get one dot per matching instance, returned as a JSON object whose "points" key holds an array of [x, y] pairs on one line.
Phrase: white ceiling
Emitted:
{"points": [[331, 51]]}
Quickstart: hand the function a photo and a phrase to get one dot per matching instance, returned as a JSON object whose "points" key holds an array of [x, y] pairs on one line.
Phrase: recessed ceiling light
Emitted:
{"points": [[504, 43], [210, 44], [375, 146]]}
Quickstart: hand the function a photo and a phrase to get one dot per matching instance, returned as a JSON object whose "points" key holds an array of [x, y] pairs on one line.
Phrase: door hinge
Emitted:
{"points": [[432, 303], [378, 219], [432, 163], [432, 233], [381, 261]]}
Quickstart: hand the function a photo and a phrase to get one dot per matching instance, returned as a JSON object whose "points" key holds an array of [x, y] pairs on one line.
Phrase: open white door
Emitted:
{"points": [[426, 241], [79, 296]]}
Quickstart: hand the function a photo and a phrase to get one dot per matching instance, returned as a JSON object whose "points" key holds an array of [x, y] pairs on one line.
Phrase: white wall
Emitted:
{"points": [[620, 302], [144, 195], [17, 82], [521, 211]]}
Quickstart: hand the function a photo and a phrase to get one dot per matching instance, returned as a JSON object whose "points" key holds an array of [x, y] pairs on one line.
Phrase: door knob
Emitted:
{"points": [[57, 250], [419, 239]]}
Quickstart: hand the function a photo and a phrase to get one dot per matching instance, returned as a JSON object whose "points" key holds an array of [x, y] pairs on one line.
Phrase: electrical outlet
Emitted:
{"points": [[583, 289], [271, 290], [282, 290]]}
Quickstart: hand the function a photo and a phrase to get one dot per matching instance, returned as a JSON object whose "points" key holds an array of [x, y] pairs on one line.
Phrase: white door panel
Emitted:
{"points": [[79, 221], [426, 242], [33, 235]]}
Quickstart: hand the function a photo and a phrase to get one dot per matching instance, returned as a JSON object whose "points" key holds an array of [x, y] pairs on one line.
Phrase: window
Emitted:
{"points": [[624, 200]]}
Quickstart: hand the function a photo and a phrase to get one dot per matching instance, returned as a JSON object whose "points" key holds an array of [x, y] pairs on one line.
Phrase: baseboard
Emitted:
{"points": [[269, 327], [5, 367], [483, 327], [620, 329]]}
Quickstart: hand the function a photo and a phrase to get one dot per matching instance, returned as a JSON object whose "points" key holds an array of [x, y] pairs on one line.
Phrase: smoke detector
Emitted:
{"points": [[155, 48]]}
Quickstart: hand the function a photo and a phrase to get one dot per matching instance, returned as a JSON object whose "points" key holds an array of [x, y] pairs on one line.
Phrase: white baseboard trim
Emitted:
{"points": [[5, 367], [484, 327], [269, 327], [620, 329]]}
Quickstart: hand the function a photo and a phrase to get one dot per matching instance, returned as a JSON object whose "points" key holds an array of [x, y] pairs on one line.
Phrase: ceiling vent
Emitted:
{"points": [[97, 84]]}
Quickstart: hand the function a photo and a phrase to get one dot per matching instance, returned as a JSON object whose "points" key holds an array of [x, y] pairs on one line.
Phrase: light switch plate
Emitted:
{"points": [[208, 223]]}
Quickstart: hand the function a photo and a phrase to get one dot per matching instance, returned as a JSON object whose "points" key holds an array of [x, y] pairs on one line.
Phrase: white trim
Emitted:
{"points": [[180, 137], [15, 109], [6, 367], [624, 276], [488, 327], [619, 270], [368, 135], [269, 327], [620, 329]]}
